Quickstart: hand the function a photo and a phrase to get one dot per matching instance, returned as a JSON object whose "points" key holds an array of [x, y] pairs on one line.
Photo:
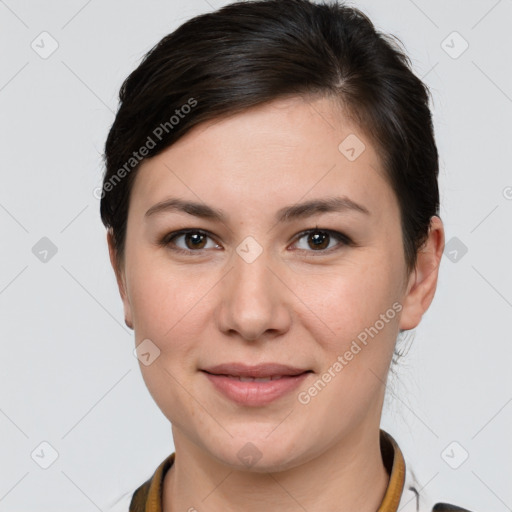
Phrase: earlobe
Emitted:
{"points": [[121, 284], [423, 280]]}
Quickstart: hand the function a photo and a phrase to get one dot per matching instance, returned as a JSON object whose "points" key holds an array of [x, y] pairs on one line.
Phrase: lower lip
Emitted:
{"points": [[255, 393]]}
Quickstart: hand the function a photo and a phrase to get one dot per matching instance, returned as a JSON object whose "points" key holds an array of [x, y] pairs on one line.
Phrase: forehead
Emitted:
{"points": [[273, 154]]}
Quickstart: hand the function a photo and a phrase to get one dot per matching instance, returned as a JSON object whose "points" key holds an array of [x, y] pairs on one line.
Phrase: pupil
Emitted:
{"points": [[319, 239], [196, 238]]}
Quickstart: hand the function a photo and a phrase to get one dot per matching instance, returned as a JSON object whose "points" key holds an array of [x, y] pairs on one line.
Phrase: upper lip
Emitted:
{"points": [[259, 370]]}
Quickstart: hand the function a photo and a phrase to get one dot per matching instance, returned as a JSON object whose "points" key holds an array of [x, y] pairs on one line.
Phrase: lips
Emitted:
{"points": [[262, 372], [255, 386]]}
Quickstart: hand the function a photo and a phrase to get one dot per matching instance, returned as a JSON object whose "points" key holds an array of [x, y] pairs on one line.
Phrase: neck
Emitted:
{"points": [[348, 476]]}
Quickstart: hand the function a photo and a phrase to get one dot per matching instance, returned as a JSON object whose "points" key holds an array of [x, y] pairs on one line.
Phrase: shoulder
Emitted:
{"points": [[414, 497], [151, 490], [140, 497]]}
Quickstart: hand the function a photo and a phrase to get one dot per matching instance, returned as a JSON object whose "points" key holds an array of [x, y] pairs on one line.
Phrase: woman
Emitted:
{"points": [[272, 208]]}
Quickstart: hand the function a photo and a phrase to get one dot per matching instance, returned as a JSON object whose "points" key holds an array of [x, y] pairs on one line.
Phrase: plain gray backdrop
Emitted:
{"points": [[68, 376]]}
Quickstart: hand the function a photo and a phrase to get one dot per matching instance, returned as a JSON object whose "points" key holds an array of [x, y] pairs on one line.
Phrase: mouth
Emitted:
{"points": [[254, 379], [262, 372], [255, 385]]}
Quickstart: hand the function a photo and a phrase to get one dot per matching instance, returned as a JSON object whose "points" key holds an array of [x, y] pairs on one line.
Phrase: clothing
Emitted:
{"points": [[402, 494]]}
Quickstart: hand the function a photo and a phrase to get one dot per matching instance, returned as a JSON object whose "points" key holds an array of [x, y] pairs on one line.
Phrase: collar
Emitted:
{"points": [[148, 497]]}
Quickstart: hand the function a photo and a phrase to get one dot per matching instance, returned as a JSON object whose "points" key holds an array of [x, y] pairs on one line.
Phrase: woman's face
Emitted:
{"points": [[252, 288]]}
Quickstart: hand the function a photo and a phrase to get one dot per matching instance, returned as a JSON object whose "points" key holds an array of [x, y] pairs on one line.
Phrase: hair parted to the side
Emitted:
{"points": [[252, 52]]}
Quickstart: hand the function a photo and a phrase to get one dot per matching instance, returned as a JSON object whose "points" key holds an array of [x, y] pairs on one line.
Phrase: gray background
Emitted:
{"points": [[68, 375]]}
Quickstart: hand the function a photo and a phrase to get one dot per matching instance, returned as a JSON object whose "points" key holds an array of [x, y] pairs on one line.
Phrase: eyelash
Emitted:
{"points": [[168, 239]]}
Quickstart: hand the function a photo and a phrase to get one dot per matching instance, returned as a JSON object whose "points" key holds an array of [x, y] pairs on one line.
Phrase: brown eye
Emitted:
{"points": [[320, 240], [193, 241]]}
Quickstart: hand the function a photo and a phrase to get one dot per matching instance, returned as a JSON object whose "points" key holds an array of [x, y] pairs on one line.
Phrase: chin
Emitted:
{"points": [[257, 454]]}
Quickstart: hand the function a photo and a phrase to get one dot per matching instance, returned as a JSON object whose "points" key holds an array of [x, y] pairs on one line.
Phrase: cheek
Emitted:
{"points": [[343, 302], [168, 307], [353, 317], [166, 301]]}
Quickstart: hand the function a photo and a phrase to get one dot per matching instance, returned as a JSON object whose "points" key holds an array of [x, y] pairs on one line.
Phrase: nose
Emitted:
{"points": [[254, 300]]}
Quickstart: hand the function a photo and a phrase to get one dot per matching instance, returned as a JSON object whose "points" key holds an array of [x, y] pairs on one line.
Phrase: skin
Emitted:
{"points": [[283, 307]]}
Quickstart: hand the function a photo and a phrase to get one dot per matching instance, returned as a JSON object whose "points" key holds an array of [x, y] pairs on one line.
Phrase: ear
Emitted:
{"points": [[120, 278], [423, 279]]}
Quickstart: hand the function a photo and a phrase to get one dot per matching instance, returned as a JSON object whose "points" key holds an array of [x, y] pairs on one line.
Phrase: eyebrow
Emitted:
{"points": [[286, 214]]}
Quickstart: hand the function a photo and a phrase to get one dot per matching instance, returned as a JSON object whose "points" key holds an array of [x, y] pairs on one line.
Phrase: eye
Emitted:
{"points": [[194, 240], [320, 240]]}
